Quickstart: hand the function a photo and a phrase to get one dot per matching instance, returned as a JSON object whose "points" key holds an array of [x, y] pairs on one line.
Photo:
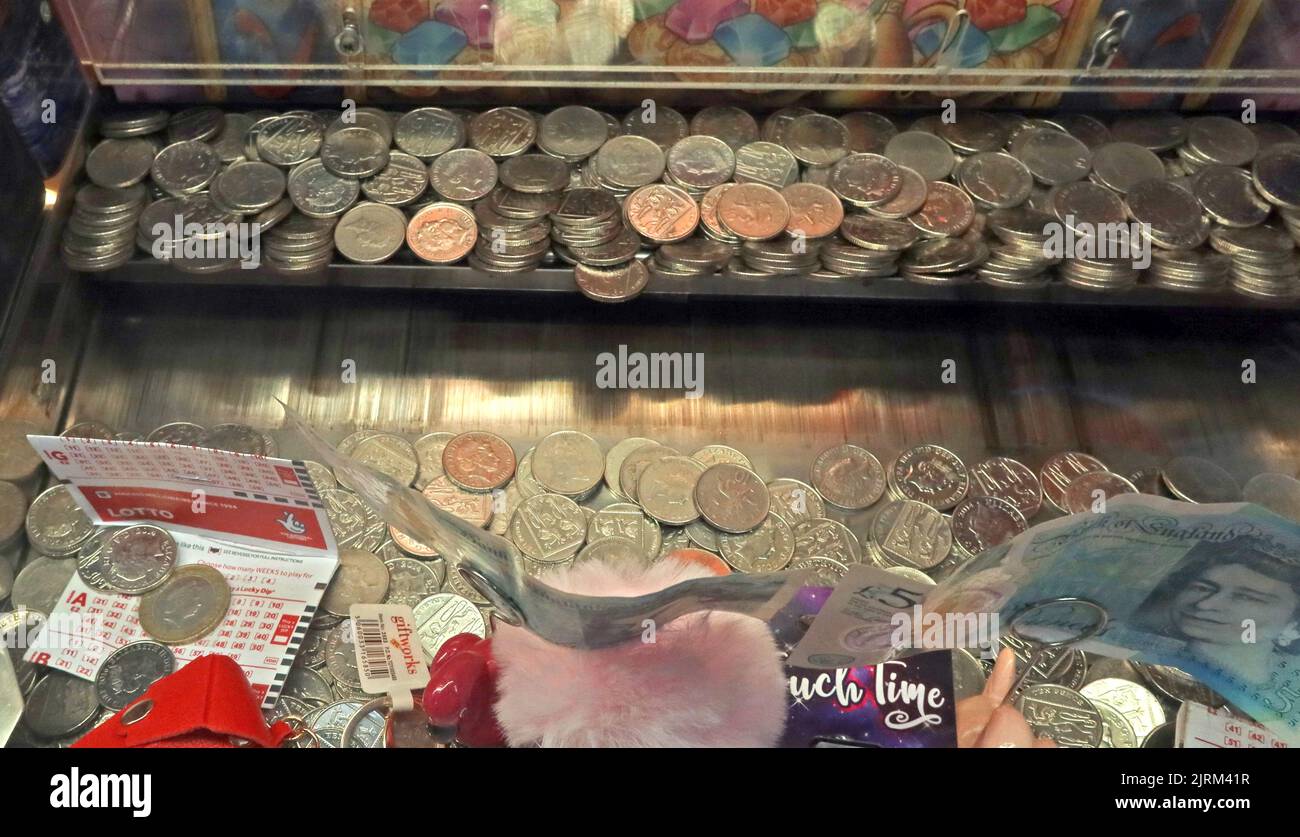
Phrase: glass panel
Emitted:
{"points": [[1114, 53]]}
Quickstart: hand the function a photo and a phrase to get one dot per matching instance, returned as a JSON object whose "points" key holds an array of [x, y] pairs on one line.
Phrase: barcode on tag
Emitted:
{"points": [[372, 649], [390, 658]]}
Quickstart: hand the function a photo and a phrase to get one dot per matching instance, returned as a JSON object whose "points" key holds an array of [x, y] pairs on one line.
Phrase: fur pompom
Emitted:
{"points": [[710, 679]]}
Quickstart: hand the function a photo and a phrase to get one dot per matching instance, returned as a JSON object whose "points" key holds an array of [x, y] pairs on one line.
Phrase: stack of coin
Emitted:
{"points": [[1020, 260], [1217, 140], [514, 234], [1099, 274], [1292, 221], [1263, 260], [661, 214], [625, 164], [586, 217], [1168, 215], [608, 187], [871, 246], [847, 260], [782, 257], [943, 261], [133, 123], [699, 163], [1198, 271], [693, 257], [710, 226], [101, 234], [299, 243]]}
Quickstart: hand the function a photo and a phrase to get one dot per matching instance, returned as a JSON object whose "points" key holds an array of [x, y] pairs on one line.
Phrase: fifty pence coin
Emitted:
{"points": [[189, 605], [130, 671]]}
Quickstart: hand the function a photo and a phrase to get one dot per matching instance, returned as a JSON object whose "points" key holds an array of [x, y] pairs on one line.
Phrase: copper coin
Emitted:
{"points": [[709, 210], [442, 233], [611, 284], [1081, 493], [1059, 471], [661, 212], [753, 211], [409, 544], [947, 211], [478, 461], [815, 212]]}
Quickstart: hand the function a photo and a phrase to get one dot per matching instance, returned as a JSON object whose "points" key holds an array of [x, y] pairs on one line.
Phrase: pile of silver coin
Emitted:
{"points": [[853, 197], [565, 500]]}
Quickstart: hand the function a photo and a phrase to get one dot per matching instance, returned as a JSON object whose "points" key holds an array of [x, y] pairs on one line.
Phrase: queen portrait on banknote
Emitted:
{"points": [[1235, 606]]}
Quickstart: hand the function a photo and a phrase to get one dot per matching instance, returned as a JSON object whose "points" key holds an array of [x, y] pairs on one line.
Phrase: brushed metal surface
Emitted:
{"points": [[780, 385], [404, 271]]}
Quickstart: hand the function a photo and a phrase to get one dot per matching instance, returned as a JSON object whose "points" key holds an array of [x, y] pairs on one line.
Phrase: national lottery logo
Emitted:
{"points": [[292, 524]]}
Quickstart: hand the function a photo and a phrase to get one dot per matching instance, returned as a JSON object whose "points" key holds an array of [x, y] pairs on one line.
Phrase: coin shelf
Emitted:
{"points": [[558, 280]]}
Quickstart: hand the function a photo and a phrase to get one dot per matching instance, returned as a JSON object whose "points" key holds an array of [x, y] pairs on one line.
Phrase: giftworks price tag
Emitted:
{"points": [[390, 658]]}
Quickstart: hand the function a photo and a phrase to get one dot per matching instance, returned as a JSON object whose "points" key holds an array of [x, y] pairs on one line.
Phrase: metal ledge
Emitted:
{"points": [[559, 280]]}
